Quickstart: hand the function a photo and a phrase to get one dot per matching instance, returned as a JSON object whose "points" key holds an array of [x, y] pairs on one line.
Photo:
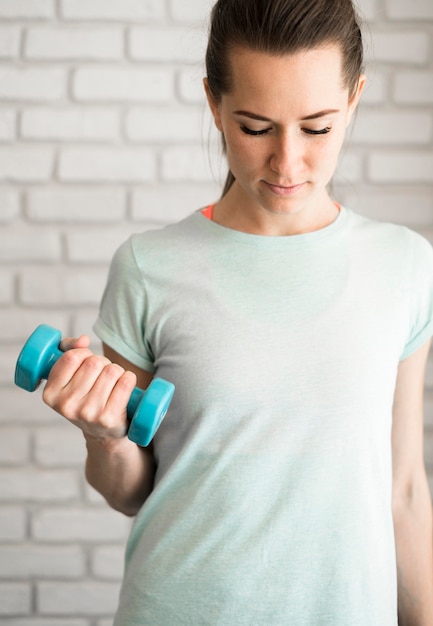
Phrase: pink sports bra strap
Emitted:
{"points": [[207, 212]]}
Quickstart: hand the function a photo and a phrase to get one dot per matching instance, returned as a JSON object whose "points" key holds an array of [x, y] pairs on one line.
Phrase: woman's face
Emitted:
{"points": [[284, 123]]}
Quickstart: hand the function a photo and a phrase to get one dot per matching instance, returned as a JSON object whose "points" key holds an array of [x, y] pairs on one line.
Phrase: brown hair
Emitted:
{"points": [[281, 27]]}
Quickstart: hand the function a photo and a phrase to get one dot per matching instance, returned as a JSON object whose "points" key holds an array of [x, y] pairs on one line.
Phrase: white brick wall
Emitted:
{"points": [[117, 10], [30, 84], [26, 9], [66, 44], [104, 131]]}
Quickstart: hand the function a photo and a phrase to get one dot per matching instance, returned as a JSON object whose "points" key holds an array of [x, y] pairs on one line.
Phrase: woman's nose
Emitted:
{"points": [[286, 156]]}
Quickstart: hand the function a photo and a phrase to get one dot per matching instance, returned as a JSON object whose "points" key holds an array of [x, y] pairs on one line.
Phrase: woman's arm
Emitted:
{"points": [[92, 392], [412, 507]]}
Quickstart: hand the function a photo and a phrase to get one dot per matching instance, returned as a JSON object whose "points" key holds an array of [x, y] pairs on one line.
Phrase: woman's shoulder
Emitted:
{"points": [[386, 233], [158, 245]]}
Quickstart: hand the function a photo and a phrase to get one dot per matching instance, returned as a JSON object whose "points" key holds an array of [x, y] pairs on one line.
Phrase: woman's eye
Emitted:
{"points": [[249, 131], [323, 131]]}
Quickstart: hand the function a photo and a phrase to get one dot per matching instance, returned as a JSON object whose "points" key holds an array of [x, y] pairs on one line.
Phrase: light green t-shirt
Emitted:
{"points": [[272, 498]]}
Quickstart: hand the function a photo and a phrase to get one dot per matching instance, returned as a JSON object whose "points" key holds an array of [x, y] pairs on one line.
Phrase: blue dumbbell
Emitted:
{"points": [[145, 410]]}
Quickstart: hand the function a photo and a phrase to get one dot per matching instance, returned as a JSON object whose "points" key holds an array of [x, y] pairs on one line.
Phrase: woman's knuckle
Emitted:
{"points": [[93, 363], [125, 382], [88, 414], [71, 358], [113, 370], [47, 395]]}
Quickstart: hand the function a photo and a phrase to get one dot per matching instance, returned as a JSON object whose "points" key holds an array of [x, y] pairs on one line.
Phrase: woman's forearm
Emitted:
{"points": [[121, 471], [414, 544]]}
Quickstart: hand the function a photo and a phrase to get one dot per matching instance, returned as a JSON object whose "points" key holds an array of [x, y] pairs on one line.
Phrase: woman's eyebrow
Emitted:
{"points": [[313, 116], [252, 116]]}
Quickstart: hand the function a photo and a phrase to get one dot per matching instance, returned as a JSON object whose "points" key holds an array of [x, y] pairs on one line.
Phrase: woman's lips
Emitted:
{"points": [[282, 190]]}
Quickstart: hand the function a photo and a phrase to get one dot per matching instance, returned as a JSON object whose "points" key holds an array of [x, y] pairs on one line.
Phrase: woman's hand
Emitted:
{"points": [[89, 390]]}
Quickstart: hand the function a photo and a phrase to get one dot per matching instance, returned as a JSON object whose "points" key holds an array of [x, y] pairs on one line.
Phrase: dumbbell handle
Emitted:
{"points": [[145, 409]]}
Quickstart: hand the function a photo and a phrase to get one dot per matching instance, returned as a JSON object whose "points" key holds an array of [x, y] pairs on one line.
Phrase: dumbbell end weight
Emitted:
{"points": [[37, 357], [148, 409]]}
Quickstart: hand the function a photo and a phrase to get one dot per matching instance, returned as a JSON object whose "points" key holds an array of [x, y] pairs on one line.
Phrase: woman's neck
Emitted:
{"points": [[239, 213]]}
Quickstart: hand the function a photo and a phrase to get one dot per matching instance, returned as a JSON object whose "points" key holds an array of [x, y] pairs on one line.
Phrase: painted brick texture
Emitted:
{"points": [[103, 132]]}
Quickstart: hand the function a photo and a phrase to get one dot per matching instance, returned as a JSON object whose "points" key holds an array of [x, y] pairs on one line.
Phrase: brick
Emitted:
{"points": [[26, 164], [10, 39], [123, 84], [414, 87], [59, 447], [164, 125], [35, 485], [171, 203], [31, 84], [57, 287], [84, 598], [46, 621], [350, 168], [401, 47], [8, 357], [400, 167], [27, 9], [186, 164], [74, 44], [428, 411], [25, 561], [386, 127], [19, 406], [27, 244], [108, 562], [15, 599], [429, 374], [189, 12], [10, 205], [13, 524], [70, 124], [16, 324], [409, 9], [83, 324], [7, 287], [95, 246], [190, 86], [14, 446], [414, 209], [76, 205], [79, 524], [7, 125], [175, 45], [125, 10], [428, 449], [376, 88], [107, 165]]}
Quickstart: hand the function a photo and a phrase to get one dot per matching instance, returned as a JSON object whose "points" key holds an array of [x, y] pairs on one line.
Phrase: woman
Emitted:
{"points": [[286, 484]]}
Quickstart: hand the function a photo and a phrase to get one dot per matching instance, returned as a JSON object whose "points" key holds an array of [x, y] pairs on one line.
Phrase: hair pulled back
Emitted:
{"points": [[280, 27]]}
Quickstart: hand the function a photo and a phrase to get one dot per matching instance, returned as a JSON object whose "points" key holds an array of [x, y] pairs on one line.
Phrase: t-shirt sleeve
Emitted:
{"points": [[121, 320], [421, 318]]}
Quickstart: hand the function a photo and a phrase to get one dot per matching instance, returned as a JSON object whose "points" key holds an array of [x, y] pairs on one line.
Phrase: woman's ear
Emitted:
{"points": [[213, 105], [355, 98]]}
